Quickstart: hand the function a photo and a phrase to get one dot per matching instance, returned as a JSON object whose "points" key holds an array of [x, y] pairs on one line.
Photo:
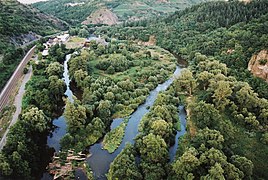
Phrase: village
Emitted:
{"points": [[71, 42]]}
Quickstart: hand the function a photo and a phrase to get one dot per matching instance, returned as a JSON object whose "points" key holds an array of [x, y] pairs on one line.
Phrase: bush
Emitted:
{"points": [[25, 70], [262, 62]]}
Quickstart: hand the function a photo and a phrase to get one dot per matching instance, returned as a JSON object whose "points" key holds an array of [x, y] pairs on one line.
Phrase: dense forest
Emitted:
{"points": [[226, 106], [211, 29], [226, 118], [114, 81], [76, 11]]}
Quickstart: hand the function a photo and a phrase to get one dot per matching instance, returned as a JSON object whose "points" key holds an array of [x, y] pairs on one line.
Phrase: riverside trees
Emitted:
{"points": [[110, 94], [207, 150], [232, 32], [223, 103], [26, 141]]}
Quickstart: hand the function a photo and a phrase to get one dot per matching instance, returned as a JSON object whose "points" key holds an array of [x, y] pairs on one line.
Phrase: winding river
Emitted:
{"points": [[54, 139], [100, 159]]}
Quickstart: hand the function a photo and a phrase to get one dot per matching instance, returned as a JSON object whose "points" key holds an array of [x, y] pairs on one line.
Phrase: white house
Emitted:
{"points": [[63, 38]]}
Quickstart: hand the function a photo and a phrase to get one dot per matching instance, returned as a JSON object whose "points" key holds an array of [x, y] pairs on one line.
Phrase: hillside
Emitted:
{"points": [[232, 32], [77, 11], [20, 24], [17, 19], [218, 40], [205, 120]]}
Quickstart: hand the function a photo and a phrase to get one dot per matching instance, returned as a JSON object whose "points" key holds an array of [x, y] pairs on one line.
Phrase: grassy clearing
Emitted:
{"points": [[113, 139], [165, 58], [5, 118], [75, 42]]}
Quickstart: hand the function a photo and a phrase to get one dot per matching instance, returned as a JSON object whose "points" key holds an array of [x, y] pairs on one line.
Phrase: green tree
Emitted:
{"points": [[75, 115], [79, 77], [124, 166], [215, 172], [54, 69], [161, 128], [83, 33], [104, 111], [35, 119], [245, 165], [221, 94], [153, 149], [56, 87], [186, 165], [209, 138], [186, 81], [205, 115], [5, 168], [76, 64]]}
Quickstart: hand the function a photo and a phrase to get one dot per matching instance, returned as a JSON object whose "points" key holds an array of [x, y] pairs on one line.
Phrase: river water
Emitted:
{"points": [[100, 159], [54, 139]]}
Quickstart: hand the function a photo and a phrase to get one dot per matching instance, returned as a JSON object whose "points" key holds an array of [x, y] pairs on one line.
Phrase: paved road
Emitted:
{"points": [[17, 103], [10, 86], [13, 81]]}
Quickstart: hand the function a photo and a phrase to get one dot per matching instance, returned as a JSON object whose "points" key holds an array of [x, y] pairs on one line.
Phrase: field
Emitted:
{"points": [[5, 118], [75, 42]]}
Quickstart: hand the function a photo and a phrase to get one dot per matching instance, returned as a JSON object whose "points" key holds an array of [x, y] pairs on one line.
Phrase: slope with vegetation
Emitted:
{"points": [[75, 12], [20, 24], [227, 107], [230, 31]]}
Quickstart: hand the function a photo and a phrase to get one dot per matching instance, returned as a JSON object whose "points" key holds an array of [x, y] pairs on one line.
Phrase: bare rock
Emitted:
{"points": [[102, 16], [258, 65]]}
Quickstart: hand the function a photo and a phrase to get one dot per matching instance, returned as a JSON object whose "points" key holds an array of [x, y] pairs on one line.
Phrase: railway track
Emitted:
{"points": [[13, 81]]}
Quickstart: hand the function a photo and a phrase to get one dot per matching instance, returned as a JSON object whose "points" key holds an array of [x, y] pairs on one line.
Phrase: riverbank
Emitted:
{"points": [[113, 139], [17, 104]]}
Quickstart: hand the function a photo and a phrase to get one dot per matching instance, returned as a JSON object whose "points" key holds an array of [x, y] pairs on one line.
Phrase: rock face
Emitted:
{"points": [[102, 16], [258, 65], [246, 1]]}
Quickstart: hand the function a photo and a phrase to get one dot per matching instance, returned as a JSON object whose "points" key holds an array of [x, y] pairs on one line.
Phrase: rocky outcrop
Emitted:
{"points": [[102, 16], [245, 1], [258, 65], [162, 1]]}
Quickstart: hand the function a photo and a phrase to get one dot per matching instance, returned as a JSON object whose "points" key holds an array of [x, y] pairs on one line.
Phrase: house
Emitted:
{"points": [[98, 40], [63, 38], [45, 53]]}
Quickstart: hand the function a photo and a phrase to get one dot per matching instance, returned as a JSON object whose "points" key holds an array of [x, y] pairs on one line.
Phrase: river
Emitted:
{"points": [[60, 130], [53, 140], [100, 159]]}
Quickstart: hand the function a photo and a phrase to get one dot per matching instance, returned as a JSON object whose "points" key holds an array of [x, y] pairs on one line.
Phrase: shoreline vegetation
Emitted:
{"points": [[227, 107], [113, 139]]}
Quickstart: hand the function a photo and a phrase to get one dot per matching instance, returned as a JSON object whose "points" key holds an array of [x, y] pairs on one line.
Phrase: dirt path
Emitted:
{"points": [[17, 103]]}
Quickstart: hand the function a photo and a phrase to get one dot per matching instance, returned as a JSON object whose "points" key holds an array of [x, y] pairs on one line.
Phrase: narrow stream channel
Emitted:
{"points": [[173, 149], [100, 159], [54, 139]]}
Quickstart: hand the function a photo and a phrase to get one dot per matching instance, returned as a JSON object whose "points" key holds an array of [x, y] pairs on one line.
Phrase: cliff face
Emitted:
{"points": [[258, 65], [102, 16]]}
